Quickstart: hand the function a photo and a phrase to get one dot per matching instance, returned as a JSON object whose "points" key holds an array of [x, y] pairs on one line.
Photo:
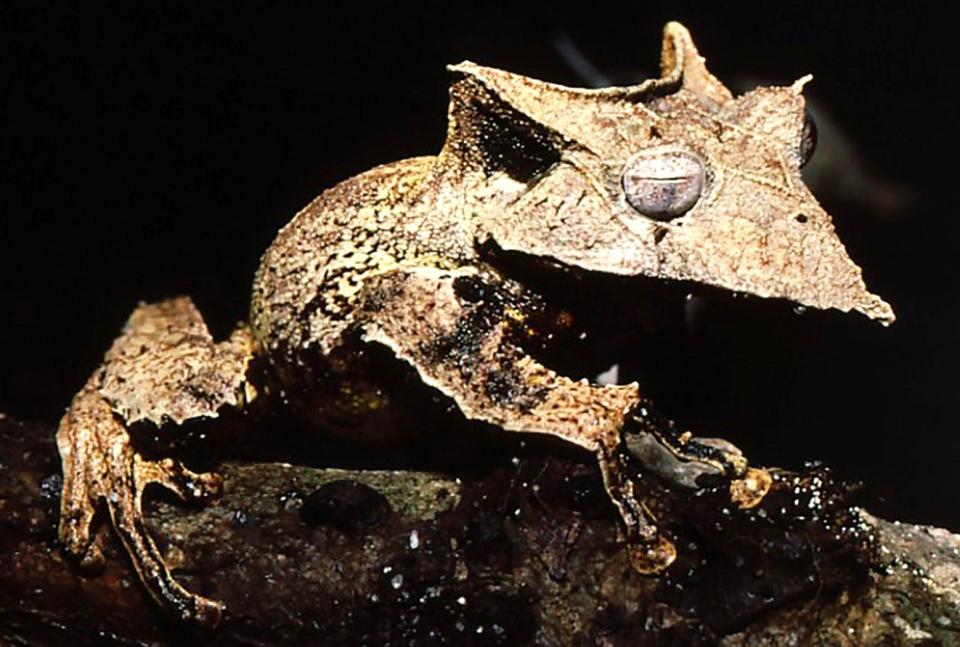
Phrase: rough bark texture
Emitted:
{"points": [[526, 552]]}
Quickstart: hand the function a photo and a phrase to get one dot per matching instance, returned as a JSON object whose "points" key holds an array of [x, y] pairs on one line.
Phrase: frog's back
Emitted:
{"points": [[310, 279]]}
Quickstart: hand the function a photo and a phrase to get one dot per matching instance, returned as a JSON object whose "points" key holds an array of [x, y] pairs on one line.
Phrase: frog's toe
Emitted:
{"points": [[76, 534], [190, 486], [652, 557], [82, 488], [126, 511]]}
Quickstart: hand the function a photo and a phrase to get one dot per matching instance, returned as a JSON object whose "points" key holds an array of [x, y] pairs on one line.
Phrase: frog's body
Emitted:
{"points": [[371, 224], [308, 292], [671, 179]]}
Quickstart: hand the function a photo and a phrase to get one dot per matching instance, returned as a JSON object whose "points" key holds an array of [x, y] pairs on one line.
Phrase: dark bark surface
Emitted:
{"points": [[526, 552]]}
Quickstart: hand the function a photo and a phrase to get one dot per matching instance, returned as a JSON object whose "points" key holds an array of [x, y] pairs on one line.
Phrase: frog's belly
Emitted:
{"points": [[360, 392]]}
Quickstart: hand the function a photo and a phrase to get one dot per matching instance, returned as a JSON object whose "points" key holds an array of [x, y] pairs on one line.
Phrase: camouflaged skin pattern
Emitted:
{"points": [[394, 258]]}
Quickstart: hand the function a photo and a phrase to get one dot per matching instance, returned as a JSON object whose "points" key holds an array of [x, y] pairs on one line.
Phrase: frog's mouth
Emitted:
{"points": [[649, 292], [802, 261]]}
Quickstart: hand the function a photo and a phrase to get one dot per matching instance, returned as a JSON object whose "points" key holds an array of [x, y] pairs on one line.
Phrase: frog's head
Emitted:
{"points": [[674, 178]]}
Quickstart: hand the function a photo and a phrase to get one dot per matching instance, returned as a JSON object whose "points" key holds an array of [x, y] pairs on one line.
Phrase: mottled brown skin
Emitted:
{"points": [[395, 257]]}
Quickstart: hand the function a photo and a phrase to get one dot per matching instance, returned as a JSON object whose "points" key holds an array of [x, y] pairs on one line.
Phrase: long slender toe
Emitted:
{"points": [[125, 507], [190, 486], [99, 464]]}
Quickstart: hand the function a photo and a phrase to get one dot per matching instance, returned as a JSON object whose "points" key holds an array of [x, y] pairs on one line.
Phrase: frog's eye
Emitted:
{"points": [[808, 138], [663, 183]]}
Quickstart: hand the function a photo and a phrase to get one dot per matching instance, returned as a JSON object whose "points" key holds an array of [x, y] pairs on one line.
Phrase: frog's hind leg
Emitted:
{"points": [[462, 332], [164, 368]]}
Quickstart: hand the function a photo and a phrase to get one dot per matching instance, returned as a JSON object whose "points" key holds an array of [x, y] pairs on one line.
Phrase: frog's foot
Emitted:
{"points": [[649, 551], [680, 459], [99, 463], [163, 370], [684, 461]]}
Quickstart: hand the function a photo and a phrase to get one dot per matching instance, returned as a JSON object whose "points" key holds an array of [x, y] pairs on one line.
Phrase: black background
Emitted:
{"points": [[153, 149]]}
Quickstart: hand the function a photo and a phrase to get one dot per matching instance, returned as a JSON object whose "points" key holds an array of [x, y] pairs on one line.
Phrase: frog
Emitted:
{"points": [[673, 180]]}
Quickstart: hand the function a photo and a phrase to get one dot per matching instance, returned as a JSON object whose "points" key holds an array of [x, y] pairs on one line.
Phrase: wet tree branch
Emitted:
{"points": [[526, 552]]}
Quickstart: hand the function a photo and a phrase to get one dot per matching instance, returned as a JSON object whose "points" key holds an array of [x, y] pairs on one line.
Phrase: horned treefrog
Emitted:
{"points": [[673, 179]]}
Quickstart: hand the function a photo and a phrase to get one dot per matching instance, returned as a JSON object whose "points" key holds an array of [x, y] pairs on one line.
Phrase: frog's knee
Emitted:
{"points": [[166, 367]]}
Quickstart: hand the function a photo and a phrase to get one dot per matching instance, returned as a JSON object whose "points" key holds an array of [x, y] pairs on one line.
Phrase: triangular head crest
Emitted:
{"points": [[672, 178]]}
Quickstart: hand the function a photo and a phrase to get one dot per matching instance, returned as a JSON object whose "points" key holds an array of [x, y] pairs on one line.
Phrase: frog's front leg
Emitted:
{"points": [[461, 330], [164, 369]]}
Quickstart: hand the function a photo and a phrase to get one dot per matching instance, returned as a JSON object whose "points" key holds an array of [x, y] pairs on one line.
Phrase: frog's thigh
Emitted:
{"points": [[463, 347], [164, 367]]}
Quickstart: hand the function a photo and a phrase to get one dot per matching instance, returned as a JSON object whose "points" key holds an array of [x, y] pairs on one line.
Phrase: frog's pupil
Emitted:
{"points": [[808, 138]]}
